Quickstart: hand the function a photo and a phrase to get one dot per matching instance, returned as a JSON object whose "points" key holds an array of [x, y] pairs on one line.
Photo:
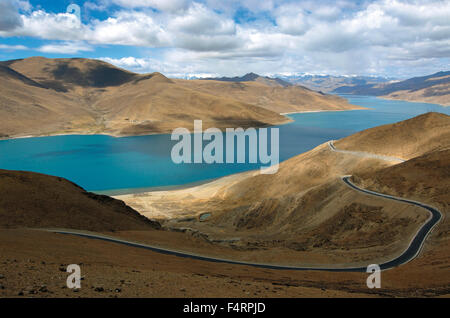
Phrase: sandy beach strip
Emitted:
{"points": [[321, 111]]}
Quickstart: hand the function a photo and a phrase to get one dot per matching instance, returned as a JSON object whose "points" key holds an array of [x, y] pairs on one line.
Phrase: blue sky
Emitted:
{"points": [[394, 38]]}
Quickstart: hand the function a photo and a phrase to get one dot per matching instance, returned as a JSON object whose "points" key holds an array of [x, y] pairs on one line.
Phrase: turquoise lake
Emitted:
{"points": [[99, 163]]}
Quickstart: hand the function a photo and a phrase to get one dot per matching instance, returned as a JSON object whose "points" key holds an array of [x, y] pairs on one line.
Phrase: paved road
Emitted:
{"points": [[407, 255], [363, 154], [410, 253], [195, 256], [419, 239]]}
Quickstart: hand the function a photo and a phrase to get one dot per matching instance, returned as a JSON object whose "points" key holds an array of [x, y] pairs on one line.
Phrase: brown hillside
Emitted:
{"points": [[66, 74], [425, 178], [27, 108], [270, 95], [406, 139], [437, 93], [42, 96], [40, 201]]}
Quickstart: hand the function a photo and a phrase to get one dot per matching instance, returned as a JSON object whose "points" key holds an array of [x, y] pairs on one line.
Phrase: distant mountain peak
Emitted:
{"points": [[252, 77], [63, 74]]}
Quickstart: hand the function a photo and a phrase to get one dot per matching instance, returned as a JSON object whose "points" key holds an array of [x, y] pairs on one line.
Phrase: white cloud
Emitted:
{"points": [[200, 20], [12, 47], [164, 5], [128, 28], [289, 36], [40, 24], [100, 5], [65, 48], [230, 6], [147, 65], [201, 29], [9, 15], [294, 24]]}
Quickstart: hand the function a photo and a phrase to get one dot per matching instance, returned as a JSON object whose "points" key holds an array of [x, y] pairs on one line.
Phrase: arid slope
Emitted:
{"points": [[406, 139], [433, 88], [48, 96], [271, 95], [425, 178], [34, 200], [41, 96], [437, 94]]}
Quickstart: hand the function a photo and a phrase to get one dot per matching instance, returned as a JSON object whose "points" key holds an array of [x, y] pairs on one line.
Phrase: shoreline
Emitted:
{"points": [[61, 134], [386, 97], [141, 190], [413, 101], [287, 121], [321, 111]]}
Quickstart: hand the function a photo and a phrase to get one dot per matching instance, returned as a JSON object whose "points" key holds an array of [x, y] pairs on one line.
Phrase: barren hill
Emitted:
{"points": [[425, 178], [252, 77], [28, 107], [271, 95], [41, 96], [66, 74], [48, 96], [406, 139], [34, 200]]}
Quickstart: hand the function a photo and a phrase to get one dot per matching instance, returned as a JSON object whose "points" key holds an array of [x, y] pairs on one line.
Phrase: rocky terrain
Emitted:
{"points": [[251, 77], [35, 200]]}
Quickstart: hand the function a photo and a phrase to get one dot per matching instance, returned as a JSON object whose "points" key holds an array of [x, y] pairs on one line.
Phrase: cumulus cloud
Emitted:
{"points": [[40, 24], [9, 15], [65, 48], [233, 36], [201, 29], [7, 47], [292, 19], [149, 65], [201, 20], [128, 28], [388, 24]]}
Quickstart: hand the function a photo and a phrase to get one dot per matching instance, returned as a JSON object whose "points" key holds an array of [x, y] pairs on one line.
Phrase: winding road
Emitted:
{"points": [[363, 154], [407, 255]]}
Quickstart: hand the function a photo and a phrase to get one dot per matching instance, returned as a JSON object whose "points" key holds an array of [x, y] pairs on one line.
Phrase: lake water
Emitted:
{"points": [[99, 163]]}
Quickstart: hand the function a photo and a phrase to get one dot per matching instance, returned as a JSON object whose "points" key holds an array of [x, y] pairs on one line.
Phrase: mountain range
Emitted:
{"points": [[433, 88], [252, 77], [41, 96], [269, 93], [328, 83]]}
